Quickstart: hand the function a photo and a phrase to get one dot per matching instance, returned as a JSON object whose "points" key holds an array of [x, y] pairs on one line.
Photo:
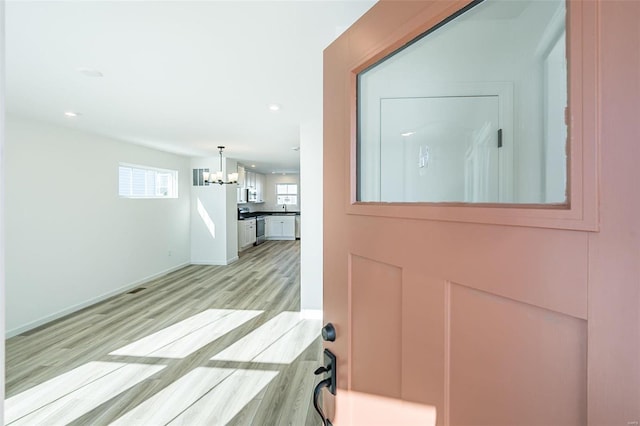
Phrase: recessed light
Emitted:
{"points": [[253, 165], [71, 114], [90, 72], [405, 134], [274, 107]]}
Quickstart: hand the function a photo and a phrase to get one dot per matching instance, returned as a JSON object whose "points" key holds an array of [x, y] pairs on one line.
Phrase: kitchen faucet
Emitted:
{"points": [[284, 206]]}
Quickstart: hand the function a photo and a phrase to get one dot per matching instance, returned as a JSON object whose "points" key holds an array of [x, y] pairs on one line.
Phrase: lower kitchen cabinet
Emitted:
{"points": [[246, 233], [280, 227]]}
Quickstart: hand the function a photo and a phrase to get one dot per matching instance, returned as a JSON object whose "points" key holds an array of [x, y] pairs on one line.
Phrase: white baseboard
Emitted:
{"points": [[229, 261], [311, 314], [92, 301]]}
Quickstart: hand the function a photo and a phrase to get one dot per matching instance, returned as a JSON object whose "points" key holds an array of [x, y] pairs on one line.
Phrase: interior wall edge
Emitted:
{"points": [[2, 234]]}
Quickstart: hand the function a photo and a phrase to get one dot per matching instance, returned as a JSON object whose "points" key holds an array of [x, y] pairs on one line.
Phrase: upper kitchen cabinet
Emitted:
{"points": [[261, 183], [252, 186], [241, 176], [251, 180]]}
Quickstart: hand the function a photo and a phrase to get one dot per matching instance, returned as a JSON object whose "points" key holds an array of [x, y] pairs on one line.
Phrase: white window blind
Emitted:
{"points": [[147, 182]]}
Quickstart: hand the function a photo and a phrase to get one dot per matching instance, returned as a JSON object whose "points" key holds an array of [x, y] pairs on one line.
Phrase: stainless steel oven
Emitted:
{"points": [[260, 238]]}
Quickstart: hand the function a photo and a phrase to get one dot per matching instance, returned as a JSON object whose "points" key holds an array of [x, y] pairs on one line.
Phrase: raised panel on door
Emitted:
{"points": [[454, 314], [514, 363]]}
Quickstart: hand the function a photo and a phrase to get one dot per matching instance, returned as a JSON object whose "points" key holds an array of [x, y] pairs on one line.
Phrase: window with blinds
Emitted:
{"points": [[146, 182]]}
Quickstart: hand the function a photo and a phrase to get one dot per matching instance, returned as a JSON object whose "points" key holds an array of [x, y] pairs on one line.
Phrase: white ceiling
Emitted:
{"points": [[180, 76]]}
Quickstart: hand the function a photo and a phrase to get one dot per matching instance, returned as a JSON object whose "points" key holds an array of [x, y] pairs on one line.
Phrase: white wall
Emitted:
{"points": [[2, 180], [214, 235], [311, 216], [70, 240], [231, 204], [270, 201]]}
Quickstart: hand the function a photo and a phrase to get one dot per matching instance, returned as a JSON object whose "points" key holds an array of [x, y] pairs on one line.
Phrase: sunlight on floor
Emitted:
{"points": [[226, 400], [186, 337], [70, 403], [287, 348], [175, 398], [47, 392], [279, 341], [204, 395], [209, 396]]}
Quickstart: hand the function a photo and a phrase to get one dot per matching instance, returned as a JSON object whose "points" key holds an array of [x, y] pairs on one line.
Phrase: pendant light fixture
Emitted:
{"points": [[217, 176]]}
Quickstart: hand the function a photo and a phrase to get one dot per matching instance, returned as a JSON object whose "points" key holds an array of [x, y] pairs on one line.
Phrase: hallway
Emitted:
{"points": [[202, 345]]}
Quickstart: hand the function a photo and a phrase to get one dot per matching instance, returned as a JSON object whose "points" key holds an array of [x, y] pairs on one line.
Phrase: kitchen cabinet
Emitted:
{"points": [[251, 180], [252, 186], [241, 177], [261, 183], [280, 227], [242, 193], [246, 233]]}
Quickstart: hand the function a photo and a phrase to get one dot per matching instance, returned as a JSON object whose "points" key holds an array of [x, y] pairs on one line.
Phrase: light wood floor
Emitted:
{"points": [[203, 345]]}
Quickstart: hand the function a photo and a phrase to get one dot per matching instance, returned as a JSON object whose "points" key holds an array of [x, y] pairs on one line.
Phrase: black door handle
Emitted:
{"points": [[316, 394], [329, 383]]}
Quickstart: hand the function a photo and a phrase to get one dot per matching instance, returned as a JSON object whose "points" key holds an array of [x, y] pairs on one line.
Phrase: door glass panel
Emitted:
{"points": [[471, 111]]}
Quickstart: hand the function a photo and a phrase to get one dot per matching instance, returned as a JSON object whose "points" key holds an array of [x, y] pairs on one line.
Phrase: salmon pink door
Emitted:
{"points": [[481, 231]]}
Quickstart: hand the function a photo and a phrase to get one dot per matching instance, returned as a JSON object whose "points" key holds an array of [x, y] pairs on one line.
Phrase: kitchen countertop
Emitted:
{"points": [[266, 213]]}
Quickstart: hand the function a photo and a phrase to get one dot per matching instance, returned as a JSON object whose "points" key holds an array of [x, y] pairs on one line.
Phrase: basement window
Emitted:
{"points": [[146, 182]]}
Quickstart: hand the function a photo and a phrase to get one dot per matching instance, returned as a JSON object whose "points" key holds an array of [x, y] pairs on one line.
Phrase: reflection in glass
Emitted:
{"points": [[472, 112]]}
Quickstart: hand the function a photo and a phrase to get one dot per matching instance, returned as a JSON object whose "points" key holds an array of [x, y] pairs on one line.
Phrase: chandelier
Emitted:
{"points": [[217, 176]]}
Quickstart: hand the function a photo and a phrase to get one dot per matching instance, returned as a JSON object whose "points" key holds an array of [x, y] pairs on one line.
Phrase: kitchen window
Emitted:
{"points": [[146, 182], [287, 193]]}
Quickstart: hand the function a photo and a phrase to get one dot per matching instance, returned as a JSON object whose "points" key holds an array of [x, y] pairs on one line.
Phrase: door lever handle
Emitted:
{"points": [[329, 383], [316, 394], [322, 369]]}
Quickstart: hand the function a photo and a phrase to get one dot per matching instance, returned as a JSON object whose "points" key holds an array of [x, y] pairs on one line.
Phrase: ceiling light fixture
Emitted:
{"points": [[71, 114], [405, 134], [217, 176], [253, 165], [274, 107], [296, 148]]}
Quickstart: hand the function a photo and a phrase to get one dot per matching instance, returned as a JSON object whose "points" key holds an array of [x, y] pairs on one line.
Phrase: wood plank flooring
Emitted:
{"points": [[204, 345]]}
